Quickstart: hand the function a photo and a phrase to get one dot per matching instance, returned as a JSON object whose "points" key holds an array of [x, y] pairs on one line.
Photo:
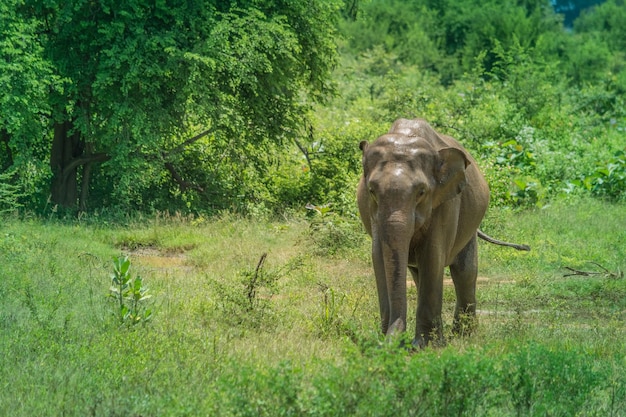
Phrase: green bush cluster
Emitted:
{"points": [[541, 108], [608, 180], [248, 302], [529, 380], [9, 194], [331, 233], [524, 126]]}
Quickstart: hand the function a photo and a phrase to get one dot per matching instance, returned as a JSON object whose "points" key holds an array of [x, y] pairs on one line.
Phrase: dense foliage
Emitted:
{"points": [[225, 105], [147, 105], [542, 107]]}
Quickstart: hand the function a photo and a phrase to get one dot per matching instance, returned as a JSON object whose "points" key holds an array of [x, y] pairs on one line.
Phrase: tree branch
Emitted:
{"points": [[182, 184], [6, 138], [304, 151], [186, 143], [86, 159]]}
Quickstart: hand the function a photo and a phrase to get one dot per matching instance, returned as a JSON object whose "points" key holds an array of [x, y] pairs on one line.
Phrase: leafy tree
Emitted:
{"points": [[571, 9], [608, 20], [604, 29], [406, 29], [447, 36], [140, 78], [26, 79]]}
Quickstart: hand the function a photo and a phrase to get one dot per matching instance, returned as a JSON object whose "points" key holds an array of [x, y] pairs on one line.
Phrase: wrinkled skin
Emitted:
{"points": [[422, 198]]}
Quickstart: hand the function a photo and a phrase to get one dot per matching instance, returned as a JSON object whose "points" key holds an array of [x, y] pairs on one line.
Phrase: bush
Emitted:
{"points": [[331, 233], [532, 379], [609, 179], [9, 194]]}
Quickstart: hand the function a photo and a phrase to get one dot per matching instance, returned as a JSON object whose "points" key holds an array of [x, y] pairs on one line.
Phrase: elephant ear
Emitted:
{"points": [[450, 175], [363, 146]]}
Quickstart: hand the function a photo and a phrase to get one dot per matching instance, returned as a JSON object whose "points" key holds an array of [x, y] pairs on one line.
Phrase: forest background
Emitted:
{"points": [[258, 106], [184, 140]]}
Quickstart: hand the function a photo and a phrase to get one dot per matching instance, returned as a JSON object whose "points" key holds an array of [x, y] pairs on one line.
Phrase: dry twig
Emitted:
{"points": [[605, 272]]}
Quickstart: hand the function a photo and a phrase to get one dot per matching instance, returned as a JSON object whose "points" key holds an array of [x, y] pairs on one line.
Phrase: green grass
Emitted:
{"points": [[306, 341]]}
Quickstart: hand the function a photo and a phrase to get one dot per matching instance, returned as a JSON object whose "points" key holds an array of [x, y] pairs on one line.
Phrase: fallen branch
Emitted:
{"points": [[605, 272]]}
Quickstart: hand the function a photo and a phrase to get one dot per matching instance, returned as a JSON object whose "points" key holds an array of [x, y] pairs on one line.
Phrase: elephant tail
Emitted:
{"points": [[489, 239]]}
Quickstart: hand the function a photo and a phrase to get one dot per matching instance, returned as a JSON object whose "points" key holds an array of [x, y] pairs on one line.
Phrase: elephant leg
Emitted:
{"points": [[464, 271], [416, 276], [381, 286], [428, 323]]}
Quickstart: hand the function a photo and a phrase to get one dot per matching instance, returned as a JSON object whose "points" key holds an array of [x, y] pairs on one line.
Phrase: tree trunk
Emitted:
{"points": [[66, 147], [8, 159], [84, 186]]}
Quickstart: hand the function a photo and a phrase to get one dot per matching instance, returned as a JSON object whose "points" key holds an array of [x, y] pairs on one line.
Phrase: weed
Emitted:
{"points": [[250, 303], [129, 293], [527, 192], [330, 320], [252, 283], [331, 233], [9, 194], [42, 315], [608, 179]]}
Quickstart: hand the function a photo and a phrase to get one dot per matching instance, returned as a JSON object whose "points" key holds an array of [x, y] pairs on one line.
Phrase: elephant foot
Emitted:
{"points": [[419, 343], [434, 339]]}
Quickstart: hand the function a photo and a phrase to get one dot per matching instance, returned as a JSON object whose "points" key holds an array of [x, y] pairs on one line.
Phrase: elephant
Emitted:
{"points": [[422, 198]]}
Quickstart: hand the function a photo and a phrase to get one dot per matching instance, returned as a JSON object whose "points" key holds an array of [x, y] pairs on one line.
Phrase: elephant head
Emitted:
{"points": [[407, 175]]}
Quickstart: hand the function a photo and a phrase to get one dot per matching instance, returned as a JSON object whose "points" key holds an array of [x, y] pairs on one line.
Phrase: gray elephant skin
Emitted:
{"points": [[421, 198]]}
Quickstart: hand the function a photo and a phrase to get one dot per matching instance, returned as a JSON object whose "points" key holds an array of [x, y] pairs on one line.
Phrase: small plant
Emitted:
{"points": [[249, 304], [253, 281], [528, 192], [9, 194], [515, 154], [608, 180], [330, 321], [331, 233], [129, 293]]}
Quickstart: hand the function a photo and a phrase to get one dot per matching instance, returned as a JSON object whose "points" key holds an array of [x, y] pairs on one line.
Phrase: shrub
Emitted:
{"points": [[129, 293], [9, 194], [609, 179], [331, 233]]}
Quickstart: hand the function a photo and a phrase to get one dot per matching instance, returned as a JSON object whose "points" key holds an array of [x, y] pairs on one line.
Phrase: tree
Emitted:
{"points": [[144, 83], [447, 36], [26, 80], [571, 9]]}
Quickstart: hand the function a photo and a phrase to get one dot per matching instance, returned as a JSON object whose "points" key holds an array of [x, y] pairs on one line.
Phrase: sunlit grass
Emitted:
{"points": [[313, 325]]}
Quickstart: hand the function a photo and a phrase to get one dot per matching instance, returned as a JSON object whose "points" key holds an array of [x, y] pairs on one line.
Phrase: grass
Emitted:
{"points": [[305, 340]]}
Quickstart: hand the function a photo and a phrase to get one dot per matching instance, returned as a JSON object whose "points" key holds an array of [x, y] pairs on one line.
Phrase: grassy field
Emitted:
{"points": [[234, 333]]}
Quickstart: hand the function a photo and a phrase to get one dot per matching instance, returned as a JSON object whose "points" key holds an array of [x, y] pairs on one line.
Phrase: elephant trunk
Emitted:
{"points": [[395, 252]]}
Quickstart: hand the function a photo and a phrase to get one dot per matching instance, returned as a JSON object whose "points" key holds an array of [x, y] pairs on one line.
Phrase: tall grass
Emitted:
{"points": [[308, 343]]}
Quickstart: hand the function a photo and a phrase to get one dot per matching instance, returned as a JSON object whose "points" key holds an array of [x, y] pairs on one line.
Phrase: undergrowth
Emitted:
{"points": [[296, 332]]}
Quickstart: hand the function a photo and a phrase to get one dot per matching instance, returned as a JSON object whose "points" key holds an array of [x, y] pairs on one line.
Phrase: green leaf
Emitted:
{"points": [[520, 183], [125, 266], [137, 285]]}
